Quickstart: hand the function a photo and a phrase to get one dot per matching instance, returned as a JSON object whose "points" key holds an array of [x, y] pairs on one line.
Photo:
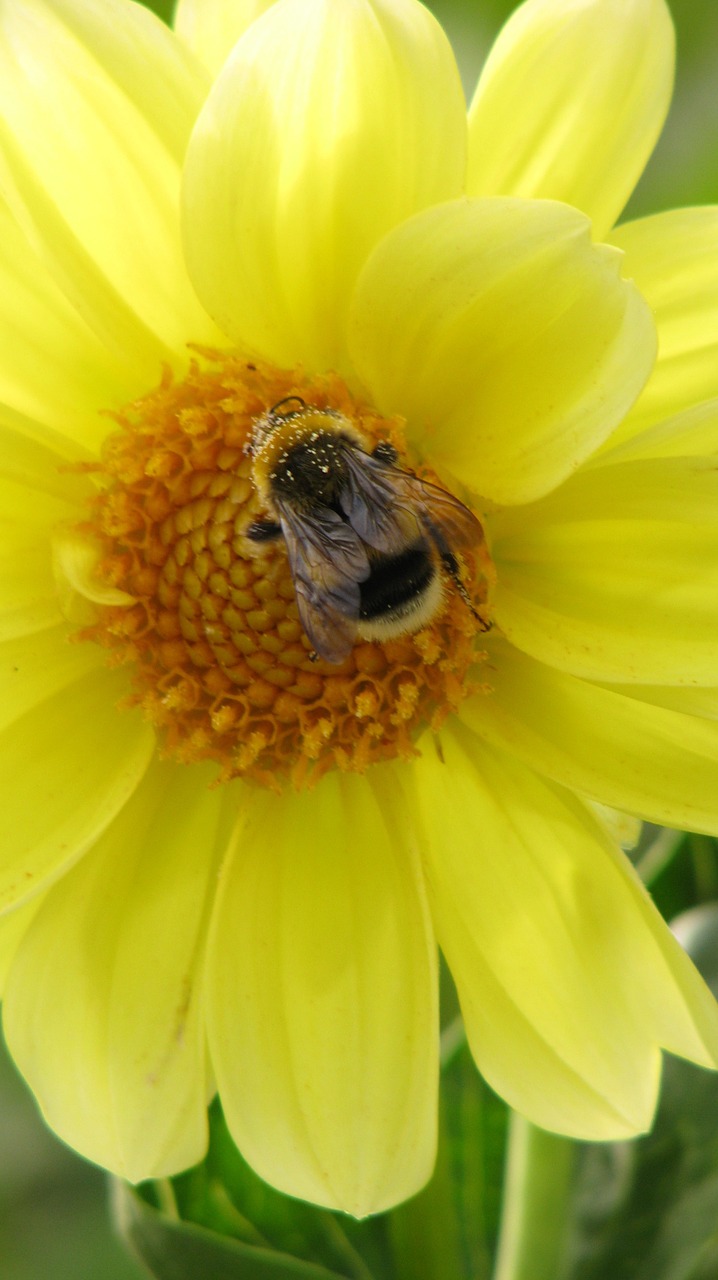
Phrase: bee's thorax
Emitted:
{"points": [[301, 456]]}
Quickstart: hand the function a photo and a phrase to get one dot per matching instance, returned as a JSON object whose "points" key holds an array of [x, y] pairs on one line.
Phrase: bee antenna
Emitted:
{"points": [[287, 400]]}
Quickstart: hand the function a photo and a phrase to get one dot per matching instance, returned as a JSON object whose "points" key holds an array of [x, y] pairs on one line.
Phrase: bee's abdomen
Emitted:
{"points": [[397, 584]]}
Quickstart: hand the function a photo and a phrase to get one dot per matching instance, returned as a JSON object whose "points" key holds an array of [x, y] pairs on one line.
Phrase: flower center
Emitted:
{"points": [[286, 611]]}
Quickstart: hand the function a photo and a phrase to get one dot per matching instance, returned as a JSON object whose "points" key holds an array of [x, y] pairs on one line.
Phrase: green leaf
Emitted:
{"points": [[176, 1250], [226, 1194], [648, 1209]]}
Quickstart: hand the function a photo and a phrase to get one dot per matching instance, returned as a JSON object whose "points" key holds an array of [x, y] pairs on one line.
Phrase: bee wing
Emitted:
{"points": [[381, 502], [446, 519], [383, 517], [327, 561]]}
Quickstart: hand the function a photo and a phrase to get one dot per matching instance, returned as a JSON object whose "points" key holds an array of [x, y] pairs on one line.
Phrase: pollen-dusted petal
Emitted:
{"points": [[508, 341], [68, 763], [560, 960], [673, 258], [103, 1010], [614, 576], [35, 493], [97, 99], [56, 370], [570, 103], [658, 763], [322, 1000], [211, 29], [332, 121]]}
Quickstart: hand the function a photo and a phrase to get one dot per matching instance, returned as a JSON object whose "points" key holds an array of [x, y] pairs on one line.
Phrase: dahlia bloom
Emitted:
{"points": [[226, 865]]}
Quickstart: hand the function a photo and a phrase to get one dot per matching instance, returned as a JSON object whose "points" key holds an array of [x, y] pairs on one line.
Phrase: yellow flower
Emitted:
{"points": [[275, 936]]}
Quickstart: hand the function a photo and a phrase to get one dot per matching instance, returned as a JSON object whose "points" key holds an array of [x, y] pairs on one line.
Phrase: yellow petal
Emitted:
{"points": [[701, 702], [35, 493], [570, 103], [76, 558], [673, 258], [657, 763], [28, 601], [36, 667], [103, 1011], [211, 29], [96, 104], [59, 442], [13, 927], [568, 979], [614, 576], [39, 330], [35, 461], [505, 337], [692, 433], [332, 121], [321, 1000], [68, 765], [622, 828]]}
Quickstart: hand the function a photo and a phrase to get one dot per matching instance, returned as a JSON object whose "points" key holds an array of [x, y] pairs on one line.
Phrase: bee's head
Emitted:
{"points": [[281, 412], [298, 417]]}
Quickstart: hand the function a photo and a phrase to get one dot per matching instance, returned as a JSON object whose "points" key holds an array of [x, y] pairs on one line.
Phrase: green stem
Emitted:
{"points": [[453, 1038], [659, 854], [537, 1190], [166, 1198], [703, 853], [424, 1232]]}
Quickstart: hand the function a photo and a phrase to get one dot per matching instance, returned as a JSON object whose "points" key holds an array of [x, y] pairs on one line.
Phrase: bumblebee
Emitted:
{"points": [[371, 547]]}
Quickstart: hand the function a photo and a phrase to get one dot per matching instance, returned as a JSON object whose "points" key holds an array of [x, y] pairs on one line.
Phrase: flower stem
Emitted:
{"points": [[166, 1198], [704, 866], [424, 1232], [659, 854], [537, 1190]]}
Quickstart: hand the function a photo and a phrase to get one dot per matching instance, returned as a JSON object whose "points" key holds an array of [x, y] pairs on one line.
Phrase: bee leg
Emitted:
{"points": [[263, 531], [383, 451], [451, 566]]}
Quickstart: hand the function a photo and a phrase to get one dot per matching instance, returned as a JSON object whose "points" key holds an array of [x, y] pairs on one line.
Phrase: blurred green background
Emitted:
{"points": [[53, 1219]]}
